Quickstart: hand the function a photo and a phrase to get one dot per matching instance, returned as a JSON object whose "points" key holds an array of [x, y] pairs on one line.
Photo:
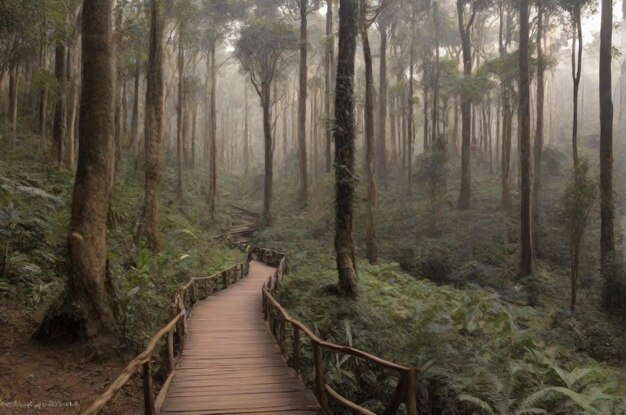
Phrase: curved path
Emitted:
{"points": [[230, 363]]}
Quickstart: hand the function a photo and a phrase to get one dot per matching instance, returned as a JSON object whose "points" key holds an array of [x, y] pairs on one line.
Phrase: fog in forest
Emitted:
{"points": [[313, 206]]}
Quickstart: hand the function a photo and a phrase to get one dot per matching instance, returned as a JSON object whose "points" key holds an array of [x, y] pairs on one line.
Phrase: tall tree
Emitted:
{"points": [[538, 148], [153, 129], [575, 9], [304, 8], [329, 63], [88, 221], [383, 22], [216, 16], [180, 107], [58, 129], [260, 49], [344, 135], [410, 126], [526, 251], [464, 201], [370, 150], [607, 232]]}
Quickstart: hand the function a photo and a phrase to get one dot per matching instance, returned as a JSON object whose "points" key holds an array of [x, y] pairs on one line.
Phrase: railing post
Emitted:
{"points": [[264, 304], [411, 401], [399, 395], [296, 347], [225, 278], [270, 318], [320, 379], [194, 295], [148, 398], [282, 334], [170, 350]]}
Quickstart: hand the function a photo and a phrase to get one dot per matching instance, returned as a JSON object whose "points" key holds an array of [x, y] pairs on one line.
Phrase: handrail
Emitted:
{"points": [[177, 325], [405, 389]]}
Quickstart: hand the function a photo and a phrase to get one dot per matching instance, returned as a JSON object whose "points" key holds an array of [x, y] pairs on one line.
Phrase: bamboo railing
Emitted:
{"points": [[184, 301], [279, 319]]}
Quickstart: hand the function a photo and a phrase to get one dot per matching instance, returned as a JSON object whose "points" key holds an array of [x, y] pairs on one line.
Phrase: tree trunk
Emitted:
{"points": [[372, 197], [410, 125], [246, 136], [526, 245], [302, 92], [58, 128], [435, 103], [577, 39], [507, 119], [43, 94], [329, 61], [73, 69], [538, 149], [134, 123], [607, 227], [269, 154], [88, 221], [212, 132], [179, 114], [381, 148], [392, 131], [153, 130], [466, 109], [344, 149]]}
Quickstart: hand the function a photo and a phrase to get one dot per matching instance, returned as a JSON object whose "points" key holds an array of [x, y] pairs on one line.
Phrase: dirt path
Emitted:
{"points": [[40, 380]]}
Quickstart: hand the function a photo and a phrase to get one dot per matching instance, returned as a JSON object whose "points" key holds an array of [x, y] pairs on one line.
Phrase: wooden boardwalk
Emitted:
{"points": [[230, 363]]}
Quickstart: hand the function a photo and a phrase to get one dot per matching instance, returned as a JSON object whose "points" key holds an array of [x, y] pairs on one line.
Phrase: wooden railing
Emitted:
{"points": [[279, 319], [184, 301]]}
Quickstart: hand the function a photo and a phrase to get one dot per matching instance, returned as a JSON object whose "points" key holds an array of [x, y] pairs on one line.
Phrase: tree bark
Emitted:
{"points": [[179, 113], [577, 40], [607, 227], [302, 93], [134, 123], [370, 149], [58, 128], [43, 94], [526, 244], [344, 149], [269, 154], [381, 148], [466, 108], [329, 62], [88, 221], [435, 104], [153, 130], [507, 119], [212, 132], [410, 125], [538, 149]]}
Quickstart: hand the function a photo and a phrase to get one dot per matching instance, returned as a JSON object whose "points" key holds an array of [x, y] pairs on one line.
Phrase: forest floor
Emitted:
{"points": [[445, 297], [60, 379]]}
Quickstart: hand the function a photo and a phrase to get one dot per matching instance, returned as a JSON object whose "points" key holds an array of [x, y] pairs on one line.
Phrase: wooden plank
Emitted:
{"points": [[230, 363]]}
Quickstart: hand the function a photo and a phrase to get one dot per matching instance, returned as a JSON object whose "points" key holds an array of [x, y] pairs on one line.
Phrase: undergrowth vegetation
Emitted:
{"points": [[34, 214], [446, 300]]}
